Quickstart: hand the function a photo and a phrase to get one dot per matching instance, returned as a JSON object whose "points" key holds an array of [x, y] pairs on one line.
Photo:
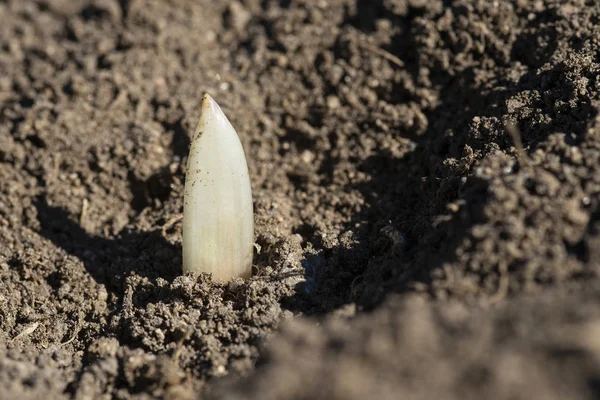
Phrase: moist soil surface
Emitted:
{"points": [[426, 181]]}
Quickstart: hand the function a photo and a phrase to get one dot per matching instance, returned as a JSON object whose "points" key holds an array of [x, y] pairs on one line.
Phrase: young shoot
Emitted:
{"points": [[218, 220]]}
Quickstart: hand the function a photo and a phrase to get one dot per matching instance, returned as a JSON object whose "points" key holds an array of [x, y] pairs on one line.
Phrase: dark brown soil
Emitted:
{"points": [[410, 248]]}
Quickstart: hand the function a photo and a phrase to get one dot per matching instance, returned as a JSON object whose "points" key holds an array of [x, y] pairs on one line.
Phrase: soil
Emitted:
{"points": [[426, 180]]}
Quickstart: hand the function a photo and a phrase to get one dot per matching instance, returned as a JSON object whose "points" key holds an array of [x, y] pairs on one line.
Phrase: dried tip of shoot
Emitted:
{"points": [[218, 220]]}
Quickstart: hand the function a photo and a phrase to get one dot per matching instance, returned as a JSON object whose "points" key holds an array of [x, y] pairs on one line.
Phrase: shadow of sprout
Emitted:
{"points": [[110, 261]]}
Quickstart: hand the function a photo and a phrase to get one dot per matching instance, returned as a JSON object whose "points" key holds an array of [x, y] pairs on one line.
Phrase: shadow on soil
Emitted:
{"points": [[405, 231], [110, 261]]}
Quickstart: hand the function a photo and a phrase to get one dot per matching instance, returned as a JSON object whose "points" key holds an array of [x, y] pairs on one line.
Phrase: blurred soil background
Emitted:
{"points": [[410, 248]]}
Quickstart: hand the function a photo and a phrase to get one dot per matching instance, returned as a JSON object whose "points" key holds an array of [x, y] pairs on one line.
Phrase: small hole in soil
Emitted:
{"points": [[145, 192], [26, 102], [306, 231]]}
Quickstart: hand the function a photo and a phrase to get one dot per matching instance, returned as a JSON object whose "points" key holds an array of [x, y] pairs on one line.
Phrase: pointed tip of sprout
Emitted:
{"points": [[218, 221], [208, 103]]}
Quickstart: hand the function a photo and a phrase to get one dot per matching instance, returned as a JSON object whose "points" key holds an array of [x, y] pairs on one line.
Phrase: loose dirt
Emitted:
{"points": [[426, 180]]}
